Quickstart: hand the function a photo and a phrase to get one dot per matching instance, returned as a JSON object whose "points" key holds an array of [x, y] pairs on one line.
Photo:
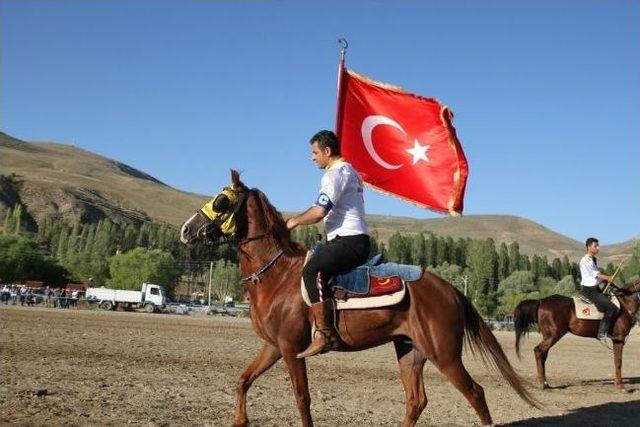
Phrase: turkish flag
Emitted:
{"points": [[401, 143]]}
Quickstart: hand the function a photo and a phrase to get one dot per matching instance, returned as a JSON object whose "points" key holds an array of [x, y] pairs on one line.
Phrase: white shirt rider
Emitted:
{"points": [[590, 275], [341, 195], [589, 272]]}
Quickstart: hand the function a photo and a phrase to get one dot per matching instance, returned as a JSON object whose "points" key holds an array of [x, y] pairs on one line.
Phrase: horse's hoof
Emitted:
{"points": [[544, 386], [240, 423]]}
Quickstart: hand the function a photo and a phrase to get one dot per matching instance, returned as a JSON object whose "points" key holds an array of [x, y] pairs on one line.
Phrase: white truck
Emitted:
{"points": [[151, 297]]}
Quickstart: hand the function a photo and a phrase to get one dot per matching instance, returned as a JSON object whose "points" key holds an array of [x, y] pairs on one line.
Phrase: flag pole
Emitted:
{"points": [[344, 44]]}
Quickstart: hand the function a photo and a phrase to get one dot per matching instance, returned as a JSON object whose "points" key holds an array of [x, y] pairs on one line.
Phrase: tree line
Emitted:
{"points": [[123, 255]]}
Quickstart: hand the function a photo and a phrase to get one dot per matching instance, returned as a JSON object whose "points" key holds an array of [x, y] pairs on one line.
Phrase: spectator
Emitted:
{"points": [[23, 295], [6, 294], [74, 299], [48, 294], [30, 297], [56, 299], [64, 302], [14, 294]]}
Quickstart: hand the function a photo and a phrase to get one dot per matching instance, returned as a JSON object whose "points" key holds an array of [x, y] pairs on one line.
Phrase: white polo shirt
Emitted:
{"points": [[589, 272], [341, 194]]}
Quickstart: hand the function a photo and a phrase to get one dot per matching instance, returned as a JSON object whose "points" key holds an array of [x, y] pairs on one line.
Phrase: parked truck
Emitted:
{"points": [[151, 297]]}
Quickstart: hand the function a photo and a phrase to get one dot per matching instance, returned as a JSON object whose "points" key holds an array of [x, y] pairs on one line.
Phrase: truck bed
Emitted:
{"points": [[117, 295]]}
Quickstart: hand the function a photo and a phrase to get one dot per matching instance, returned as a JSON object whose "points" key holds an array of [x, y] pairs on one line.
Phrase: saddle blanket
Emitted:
{"points": [[374, 284], [587, 310]]}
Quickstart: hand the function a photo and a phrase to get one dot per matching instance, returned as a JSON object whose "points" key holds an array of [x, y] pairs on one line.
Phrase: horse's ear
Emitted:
{"points": [[235, 179]]}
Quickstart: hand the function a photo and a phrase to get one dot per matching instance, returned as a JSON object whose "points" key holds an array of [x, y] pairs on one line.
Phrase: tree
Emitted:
{"points": [[566, 286], [631, 271], [557, 269], [6, 224], [482, 260], [546, 286], [514, 257], [17, 218], [515, 289], [399, 249], [452, 273], [225, 281], [140, 265], [419, 250], [503, 262], [22, 259]]}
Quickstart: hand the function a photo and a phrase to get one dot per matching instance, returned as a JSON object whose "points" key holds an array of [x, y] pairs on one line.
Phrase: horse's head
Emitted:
{"points": [[630, 296], [240, 213], [217, 220]]}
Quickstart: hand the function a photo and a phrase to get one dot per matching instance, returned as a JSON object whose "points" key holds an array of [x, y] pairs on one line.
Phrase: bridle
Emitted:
{"points": [[232, 239], [626, 292]]}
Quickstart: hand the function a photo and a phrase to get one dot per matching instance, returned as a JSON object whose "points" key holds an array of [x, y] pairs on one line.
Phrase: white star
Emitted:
{"points": [[419, 152]]}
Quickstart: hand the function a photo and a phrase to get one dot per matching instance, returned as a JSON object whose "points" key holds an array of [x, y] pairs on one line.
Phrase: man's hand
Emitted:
{"points": [[308, 217]]}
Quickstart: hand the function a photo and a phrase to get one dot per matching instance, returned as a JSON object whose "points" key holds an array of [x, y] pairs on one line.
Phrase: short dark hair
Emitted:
{"points": [[326, 138], [590, 241]]}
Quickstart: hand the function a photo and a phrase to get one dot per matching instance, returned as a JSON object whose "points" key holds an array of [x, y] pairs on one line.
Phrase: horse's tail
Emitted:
{"points": [[480, 339], [525, 315]]}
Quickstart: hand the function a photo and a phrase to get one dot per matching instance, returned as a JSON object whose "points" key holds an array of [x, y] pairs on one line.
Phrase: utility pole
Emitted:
{"points": [[210, 275]]}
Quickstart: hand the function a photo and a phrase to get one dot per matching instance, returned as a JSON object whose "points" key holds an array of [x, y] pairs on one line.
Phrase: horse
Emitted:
{"points": [[555, 316], [429, 324]]}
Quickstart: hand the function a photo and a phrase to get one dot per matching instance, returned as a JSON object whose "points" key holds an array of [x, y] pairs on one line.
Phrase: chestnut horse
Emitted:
{"points": [[556, 315], [429, 324]]}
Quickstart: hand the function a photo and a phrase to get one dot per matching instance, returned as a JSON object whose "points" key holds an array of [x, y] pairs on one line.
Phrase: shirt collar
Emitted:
{"points": [[337, 162]]}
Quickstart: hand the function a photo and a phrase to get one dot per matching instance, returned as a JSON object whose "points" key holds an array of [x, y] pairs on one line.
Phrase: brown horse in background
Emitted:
{"points": [[556, 315], [429, 324]]}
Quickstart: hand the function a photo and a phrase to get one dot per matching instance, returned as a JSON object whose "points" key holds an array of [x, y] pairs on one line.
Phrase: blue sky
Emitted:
{"points": [[545, 94]]}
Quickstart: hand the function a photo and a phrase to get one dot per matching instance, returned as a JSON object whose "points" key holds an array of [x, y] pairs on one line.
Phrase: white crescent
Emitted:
{"points": [[368, 124]]}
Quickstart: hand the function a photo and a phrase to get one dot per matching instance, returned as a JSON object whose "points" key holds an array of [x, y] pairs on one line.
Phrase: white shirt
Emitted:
{"points": [[341, 194], [589, 272]]}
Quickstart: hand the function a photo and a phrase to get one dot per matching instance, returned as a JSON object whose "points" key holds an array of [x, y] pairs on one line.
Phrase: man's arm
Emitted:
{"points": [[311, 216], [604, 277]]}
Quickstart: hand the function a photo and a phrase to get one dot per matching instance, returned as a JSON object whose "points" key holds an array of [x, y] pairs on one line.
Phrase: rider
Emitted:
{"points": [[341, 205], [591, 280]]}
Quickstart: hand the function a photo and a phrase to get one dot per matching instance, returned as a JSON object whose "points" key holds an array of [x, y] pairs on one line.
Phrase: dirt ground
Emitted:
{"points": [[62, 367]]}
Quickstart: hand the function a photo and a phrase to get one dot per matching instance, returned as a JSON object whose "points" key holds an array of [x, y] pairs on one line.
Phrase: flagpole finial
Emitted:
{"points": [[344, 44]]}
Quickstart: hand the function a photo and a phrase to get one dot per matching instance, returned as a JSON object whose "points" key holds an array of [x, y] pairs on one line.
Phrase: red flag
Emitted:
{"points": [[401, 143]]}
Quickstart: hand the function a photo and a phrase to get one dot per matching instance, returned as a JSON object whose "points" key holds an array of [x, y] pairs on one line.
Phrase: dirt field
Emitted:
{"points": [[87, 367]]}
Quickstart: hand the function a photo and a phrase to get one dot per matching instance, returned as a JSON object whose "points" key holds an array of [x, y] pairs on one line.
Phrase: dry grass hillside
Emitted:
{"points": [[69, 184]]}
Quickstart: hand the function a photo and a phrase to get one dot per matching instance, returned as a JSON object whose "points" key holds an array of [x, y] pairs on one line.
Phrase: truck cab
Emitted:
{"points": [[153, 294]]}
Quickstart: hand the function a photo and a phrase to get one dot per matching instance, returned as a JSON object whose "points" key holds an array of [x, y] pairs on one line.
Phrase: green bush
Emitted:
{"points": [[129, 270]]}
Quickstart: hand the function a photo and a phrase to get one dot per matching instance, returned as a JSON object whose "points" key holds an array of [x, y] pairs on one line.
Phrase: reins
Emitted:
{"points": [[255, 277]]}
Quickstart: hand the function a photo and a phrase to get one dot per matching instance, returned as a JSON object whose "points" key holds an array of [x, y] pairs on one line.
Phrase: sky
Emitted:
{"points": [[545, 94]]}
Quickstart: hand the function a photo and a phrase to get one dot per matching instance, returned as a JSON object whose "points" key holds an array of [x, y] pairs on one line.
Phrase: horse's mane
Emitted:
{"points": [[274, 222]]}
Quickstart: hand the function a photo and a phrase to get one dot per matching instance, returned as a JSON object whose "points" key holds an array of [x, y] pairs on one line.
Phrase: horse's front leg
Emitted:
{"points": [[617, 360], [298, 373], [268, 355]]}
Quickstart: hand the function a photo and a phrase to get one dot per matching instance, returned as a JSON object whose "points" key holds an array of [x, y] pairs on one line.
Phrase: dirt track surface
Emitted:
{"points": [[117, 368]]}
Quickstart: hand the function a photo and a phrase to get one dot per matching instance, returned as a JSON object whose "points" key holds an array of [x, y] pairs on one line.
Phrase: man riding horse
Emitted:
{"points": [[341, 205], [592, 278]]}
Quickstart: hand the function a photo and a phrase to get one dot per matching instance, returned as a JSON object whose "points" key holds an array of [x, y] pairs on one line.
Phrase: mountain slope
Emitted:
{"points": [[66, 183], [69, 184]]}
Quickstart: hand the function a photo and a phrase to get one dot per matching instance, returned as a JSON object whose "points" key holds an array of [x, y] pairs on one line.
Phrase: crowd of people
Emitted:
{"points": [[47, 296]]}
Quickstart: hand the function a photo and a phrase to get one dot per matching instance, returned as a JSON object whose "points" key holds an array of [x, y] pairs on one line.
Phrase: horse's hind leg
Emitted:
{"points": [[264, 360], [411, 363], [458, 375], [542, 351]]}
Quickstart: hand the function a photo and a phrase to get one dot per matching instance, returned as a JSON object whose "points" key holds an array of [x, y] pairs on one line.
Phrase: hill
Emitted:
{"points": [[68, 184]]}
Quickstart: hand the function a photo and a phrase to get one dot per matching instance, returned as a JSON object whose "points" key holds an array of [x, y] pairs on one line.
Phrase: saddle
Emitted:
{"points": [[374, 284], [587, 310]]}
